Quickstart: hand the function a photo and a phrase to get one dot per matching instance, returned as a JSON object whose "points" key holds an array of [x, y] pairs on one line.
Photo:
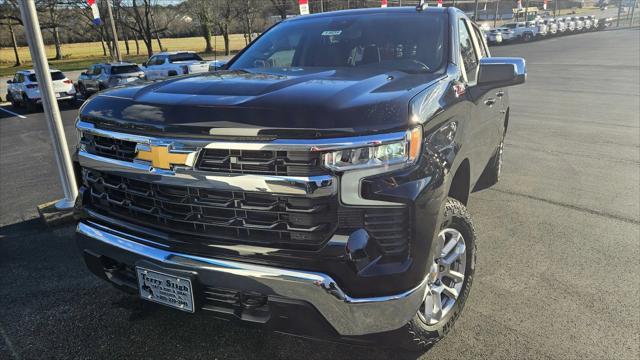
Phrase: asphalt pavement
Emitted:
{"points": [[559, 237]]}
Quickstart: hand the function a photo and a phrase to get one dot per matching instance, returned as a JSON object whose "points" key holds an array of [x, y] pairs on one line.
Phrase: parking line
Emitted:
{"points": [[14, 114]]}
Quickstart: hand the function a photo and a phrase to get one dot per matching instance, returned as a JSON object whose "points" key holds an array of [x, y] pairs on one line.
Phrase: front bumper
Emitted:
{"points": [[347, 315]]}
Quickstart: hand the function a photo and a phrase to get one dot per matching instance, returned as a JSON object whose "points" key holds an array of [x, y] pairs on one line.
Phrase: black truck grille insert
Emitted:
{"points": [[111, 148], [389, 227], [265, 162], [261, 219]]}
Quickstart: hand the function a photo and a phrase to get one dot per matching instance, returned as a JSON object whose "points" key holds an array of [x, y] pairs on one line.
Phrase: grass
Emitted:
{"points": [[81, 55]]}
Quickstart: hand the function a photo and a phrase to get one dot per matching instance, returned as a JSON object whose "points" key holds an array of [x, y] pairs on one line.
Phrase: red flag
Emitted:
{"points": [[544, 5], [383, 3], [439, 3]]}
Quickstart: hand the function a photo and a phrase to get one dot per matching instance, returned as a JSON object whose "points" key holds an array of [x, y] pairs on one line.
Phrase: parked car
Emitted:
{"points": [[595, 22], [588, 23], [23, 89], [579, 23], [561, 25], [167, 64], [318, 186], [522, 31], [507, 34], [494, 37], [571, 24], [540, 26], [103, 76], [552, 25], [217, 65]]}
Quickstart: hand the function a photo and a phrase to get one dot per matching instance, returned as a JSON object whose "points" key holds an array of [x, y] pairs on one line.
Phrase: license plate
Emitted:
{"points": [[165, 289]]}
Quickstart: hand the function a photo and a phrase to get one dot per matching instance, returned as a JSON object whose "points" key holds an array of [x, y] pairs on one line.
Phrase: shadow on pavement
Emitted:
{"points": [[52, 305]]}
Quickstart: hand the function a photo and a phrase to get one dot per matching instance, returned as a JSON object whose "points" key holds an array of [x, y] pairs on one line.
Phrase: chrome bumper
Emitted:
{"points": [[348, 316]]}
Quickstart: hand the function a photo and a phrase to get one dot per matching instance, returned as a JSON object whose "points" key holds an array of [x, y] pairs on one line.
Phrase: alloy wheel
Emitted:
{"points": [[446, 277]]}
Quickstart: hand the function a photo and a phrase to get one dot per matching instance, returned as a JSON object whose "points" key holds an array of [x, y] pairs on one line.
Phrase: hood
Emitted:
{"points": [[294, 103]]}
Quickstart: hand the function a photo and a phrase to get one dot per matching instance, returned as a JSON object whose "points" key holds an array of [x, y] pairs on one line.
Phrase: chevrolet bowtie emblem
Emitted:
{"points": [[161, 157]]}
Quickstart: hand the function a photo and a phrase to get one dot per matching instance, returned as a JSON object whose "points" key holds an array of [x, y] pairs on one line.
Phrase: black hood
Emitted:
{"points": [[293, 103]]}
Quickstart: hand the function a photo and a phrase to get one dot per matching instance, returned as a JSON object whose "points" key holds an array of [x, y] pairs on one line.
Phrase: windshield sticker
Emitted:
{"points": [[331, 33]]}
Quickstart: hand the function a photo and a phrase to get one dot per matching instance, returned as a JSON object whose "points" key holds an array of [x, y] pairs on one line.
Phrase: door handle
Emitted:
{"points": [[490, 102], [500, 94]]}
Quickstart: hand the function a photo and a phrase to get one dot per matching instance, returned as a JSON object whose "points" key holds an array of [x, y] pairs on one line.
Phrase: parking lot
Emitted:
{"points": [[559, 237]]}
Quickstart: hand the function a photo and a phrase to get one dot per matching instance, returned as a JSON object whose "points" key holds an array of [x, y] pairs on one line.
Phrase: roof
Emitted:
{"points": [[370, 11], [31, 71], [174, 52]]}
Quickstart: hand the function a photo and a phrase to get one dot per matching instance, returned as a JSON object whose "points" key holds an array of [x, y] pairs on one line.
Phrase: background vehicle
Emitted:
{"points": [[102, 76], [579, 23], [306, 186], [542, 28], [561, 25], [523, 32], [494, 36], [216, 65], [588, 23], [23, 89], [571, 24], [552, 26], [507, 34], [167, 64]]}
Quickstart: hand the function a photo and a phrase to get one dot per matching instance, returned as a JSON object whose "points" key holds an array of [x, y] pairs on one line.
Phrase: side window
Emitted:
{"points": [[468, 52], [152, 61], [97, 69], [16, 79], [482, 44]]}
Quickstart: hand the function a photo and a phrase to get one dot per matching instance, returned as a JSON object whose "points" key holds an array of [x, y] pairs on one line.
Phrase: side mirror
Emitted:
{"points": [[497, 72], [9, 81]]}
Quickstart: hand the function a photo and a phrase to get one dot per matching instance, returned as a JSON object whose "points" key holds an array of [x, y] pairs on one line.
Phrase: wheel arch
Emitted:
{"points": [[460, 183]]}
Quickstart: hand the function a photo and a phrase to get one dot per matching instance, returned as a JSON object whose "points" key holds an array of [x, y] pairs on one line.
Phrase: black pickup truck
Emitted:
{"points": [[316, 185]]}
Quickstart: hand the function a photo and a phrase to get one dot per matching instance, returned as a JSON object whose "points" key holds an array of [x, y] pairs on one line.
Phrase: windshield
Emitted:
{"points": [[125, 69], [184, 57], [55, 75], [406, 42], [510, 26]]}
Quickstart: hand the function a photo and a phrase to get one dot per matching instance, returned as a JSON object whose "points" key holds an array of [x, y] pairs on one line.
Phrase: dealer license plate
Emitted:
{"points": [[173, 291]]}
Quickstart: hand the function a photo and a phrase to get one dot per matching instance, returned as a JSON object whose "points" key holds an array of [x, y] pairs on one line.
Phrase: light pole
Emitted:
{"points": [[49, 104], [113, 31], [495, 18]]}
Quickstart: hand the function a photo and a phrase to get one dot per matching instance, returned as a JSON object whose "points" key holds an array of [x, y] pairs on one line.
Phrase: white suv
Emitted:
{"points": [[166, 64], [23, 89]]}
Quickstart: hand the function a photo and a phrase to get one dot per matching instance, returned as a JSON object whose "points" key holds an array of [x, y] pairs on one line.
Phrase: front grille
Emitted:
{"points": [[390, 228], [265, 162], [108, 147], [261, 162], [268, 220]]}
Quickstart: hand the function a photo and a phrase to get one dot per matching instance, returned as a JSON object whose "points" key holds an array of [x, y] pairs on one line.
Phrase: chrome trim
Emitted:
{"points": [[351, 182], [348, 315], [276, 145], [312, 186]]}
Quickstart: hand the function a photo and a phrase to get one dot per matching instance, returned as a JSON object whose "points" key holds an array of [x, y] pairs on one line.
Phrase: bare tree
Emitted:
{"points": [[53, 20], [142, 24], [282, 7], [248, 12], [225, 14], [9, 16], [204, 13]]}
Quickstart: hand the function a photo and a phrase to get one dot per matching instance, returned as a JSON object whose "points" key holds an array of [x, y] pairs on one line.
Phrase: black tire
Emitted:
{"points": [[13, 102], [417, 335], [30, 105], [82, 90], [527, 37]]}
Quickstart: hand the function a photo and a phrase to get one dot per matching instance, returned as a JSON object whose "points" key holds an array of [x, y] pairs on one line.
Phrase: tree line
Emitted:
{"points": [[140, 23]]}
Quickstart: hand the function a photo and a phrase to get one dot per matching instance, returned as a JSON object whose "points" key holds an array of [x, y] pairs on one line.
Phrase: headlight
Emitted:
{"points": [[404, 151]]}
